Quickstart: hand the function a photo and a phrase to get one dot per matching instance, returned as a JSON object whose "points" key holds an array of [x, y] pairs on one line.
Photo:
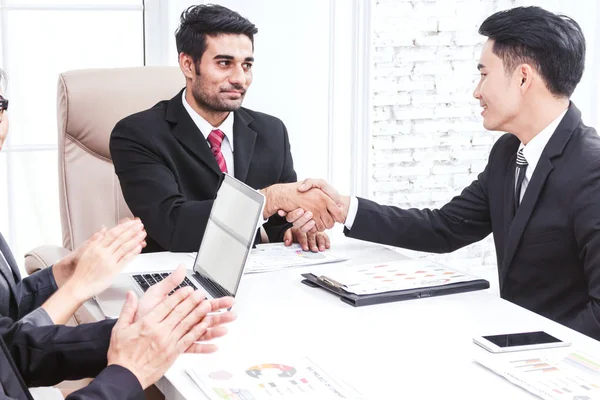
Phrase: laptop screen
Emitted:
{"points": [[230, 233]]}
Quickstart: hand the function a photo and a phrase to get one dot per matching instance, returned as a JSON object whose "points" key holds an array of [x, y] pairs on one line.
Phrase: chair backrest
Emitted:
{"points": [[89, 104]]}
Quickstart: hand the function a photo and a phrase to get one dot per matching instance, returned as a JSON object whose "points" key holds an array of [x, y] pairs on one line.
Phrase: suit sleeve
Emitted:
{"points": [[34, 290], [113, 383], [47, 355], [464, 220], [586, 224], [152, 193], [31, 292], [5, 397], [276, 226]]}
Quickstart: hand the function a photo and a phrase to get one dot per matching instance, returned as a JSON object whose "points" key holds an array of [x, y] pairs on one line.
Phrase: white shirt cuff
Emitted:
{"points": [[46, 393], [38, 317], [261, 221], [352, 210]]}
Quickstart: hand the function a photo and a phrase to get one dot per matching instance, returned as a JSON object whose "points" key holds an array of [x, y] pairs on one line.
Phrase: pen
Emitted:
{"points": [[330, 282]]}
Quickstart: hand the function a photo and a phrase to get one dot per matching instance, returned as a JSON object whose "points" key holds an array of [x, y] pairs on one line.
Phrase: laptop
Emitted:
{"points": [[220, 262]]}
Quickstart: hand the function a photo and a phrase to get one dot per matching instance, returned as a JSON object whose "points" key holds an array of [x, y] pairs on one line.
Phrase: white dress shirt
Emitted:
{"points": [[533, 150], [226, 147], [206, 128], [532, 153]]}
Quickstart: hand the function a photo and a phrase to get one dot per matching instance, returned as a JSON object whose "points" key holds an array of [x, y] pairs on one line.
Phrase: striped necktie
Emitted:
{"points": [[215, 138], [521, 167]]}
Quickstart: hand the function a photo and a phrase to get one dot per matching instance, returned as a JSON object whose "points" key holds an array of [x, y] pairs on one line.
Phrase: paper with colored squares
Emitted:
{"points": [[394, 276]]}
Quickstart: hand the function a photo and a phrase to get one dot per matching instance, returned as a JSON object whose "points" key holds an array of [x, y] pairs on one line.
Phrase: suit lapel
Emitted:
{"points": [[244, 139], [8, 269], [530, 198], [509, 204], [188, 134], [553, 149], [6, 272]]}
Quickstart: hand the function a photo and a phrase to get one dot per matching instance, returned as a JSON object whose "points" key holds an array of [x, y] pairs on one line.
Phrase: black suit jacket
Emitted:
{"points": [[548, 251], [169, 176], [44, 356], [26, 295]]}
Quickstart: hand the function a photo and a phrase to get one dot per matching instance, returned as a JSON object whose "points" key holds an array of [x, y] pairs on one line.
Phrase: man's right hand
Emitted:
{"points": [[323, 185], [303, 220], [149, 346], [287, 197]]}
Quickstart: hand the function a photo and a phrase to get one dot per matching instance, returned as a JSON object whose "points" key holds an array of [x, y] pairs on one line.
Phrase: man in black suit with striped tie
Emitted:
{"points": [[539, 194]]}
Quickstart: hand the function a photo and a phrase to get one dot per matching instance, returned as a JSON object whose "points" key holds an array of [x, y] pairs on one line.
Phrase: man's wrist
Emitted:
{"points": [[345, 206], [265, 192], [271, 203], [62, 271], [75, 291]]}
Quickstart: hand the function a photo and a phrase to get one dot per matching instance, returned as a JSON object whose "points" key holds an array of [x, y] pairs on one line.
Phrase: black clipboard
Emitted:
{"points": [[398, 295]]}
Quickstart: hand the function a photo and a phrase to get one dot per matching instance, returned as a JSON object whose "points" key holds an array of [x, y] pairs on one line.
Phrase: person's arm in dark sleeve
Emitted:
{"points": [[47, 355], [276, 226], [462, 221], [113, 383], [31, 292]]}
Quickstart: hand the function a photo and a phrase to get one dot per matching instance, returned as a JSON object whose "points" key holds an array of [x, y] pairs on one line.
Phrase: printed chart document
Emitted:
{"points": [[260, 378], [564, 375], [393, 276], [276, 256]]}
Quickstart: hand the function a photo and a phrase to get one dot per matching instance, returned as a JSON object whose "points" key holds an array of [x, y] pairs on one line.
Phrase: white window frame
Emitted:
{"points": [[9, 149]]}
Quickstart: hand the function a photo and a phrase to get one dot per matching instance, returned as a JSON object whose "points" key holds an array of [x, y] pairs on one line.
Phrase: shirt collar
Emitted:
{"points": [[533, 151], [205, 127]]}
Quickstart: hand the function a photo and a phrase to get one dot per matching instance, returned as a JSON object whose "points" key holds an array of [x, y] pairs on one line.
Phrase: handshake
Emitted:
{"points": [[312, 205]]}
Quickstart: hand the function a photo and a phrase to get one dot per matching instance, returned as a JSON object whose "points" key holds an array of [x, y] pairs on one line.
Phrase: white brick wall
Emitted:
{"points": [[427, 134]]}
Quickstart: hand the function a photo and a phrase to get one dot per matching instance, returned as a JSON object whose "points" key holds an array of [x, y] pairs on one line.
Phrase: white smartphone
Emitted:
{"points": [[519, 342]]}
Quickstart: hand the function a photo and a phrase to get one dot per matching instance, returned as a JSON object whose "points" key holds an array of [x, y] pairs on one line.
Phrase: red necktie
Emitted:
{"points": [[216, 140]]}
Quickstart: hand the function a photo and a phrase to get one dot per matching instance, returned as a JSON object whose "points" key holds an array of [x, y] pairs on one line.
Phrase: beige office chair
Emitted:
{"points": [[89, 104]]}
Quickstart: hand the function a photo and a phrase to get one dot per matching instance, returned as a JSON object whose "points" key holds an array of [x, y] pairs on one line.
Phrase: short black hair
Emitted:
{"points": [[554, 44], [203, 20]]}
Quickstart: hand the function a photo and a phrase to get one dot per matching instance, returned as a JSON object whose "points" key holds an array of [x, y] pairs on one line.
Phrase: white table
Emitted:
{"points": [[417, 349]]}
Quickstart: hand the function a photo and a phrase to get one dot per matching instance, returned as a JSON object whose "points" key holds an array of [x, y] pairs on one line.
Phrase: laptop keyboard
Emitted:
{"points": [[145, 281], [211, 287]]}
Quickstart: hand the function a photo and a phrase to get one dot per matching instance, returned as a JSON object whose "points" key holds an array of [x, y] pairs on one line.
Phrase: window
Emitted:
{"points": [[37, 42]]}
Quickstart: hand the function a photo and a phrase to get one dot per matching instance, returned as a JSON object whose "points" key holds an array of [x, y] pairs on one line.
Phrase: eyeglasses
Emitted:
{"points": [[3, 104]]}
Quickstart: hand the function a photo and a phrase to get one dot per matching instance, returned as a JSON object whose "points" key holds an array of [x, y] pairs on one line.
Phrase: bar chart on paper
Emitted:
{"points": [[572, 376]]}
